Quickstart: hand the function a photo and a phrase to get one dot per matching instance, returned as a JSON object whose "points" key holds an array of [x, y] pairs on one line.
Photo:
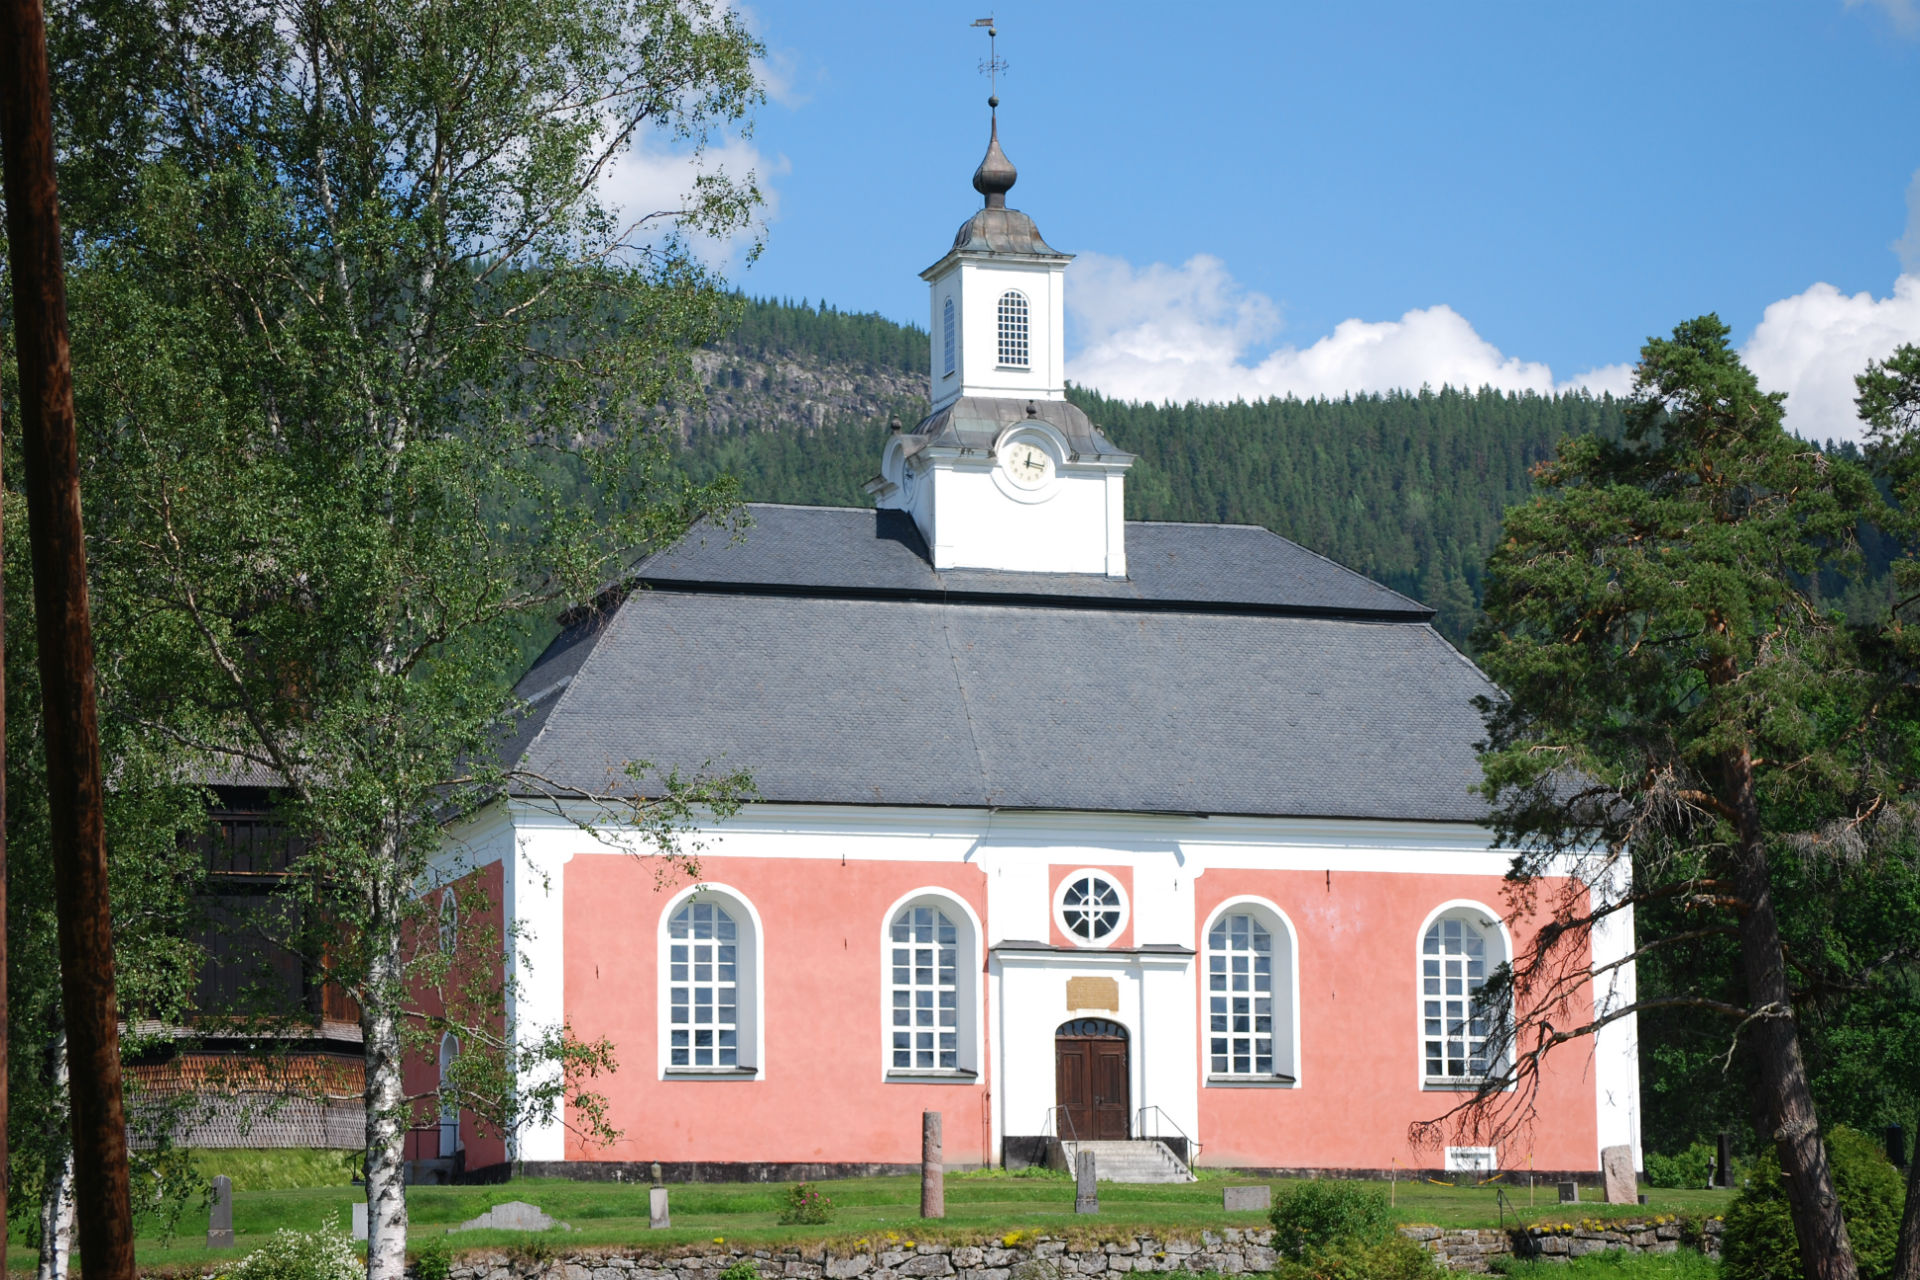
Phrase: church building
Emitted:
{"points": [[1068, 827]]}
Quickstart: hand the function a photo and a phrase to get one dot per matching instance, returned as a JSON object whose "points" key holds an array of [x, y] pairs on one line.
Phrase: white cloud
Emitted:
{"points": [[644, 181], [1185, 333], [1903, 14], [1812, 344], [1908, 245], [1192, 332]]}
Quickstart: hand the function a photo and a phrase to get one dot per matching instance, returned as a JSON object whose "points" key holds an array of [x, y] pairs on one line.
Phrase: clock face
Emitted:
{"points": [[1026, 464]]}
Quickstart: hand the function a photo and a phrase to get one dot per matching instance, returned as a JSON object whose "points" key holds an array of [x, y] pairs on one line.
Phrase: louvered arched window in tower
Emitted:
{"points": [[1013, 330], [947, 338]]}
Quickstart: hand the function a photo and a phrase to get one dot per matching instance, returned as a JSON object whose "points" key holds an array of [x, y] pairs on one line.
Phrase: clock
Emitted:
{"points": [[1026, 464]]}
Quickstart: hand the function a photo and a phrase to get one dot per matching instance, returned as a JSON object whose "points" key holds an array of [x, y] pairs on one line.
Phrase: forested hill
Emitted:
{"points": [[1406, 488]]}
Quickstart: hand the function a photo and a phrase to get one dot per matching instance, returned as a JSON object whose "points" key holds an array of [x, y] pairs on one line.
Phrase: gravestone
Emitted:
{"points": [[1249, 1199], [514, 1215], [658, 1217], [1086, 1191], [933, 1190], [360, 1220], [1569, 1193], [1616, 1164], [220, 1217]]}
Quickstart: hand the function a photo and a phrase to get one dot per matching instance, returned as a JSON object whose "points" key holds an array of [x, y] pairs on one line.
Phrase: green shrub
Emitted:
{"points": [[1760, 1243], [807, 1206], [1691, 1168], [433, 1260], [326, 1254], [1311, 1215], [1392, 1257], [741, 1270]]}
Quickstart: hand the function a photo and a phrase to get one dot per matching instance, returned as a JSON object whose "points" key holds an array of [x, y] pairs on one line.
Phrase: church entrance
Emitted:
{"points": [[1090, 1089]]}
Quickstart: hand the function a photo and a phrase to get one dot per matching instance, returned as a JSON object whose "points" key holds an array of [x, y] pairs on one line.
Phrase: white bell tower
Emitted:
{"points": [[998, 303], [1005, 473]]}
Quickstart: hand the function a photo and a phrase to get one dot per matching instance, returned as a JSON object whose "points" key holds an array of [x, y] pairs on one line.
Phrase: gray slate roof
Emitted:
{"points": [[1236, 673]]}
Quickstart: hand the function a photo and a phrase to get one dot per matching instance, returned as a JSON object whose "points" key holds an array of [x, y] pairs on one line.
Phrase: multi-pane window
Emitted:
{"points": [[1240, 997], [1090, 907], [1453, 968], [703, 988], [946, 331], [1013, 329], [449, 922], [926, 991]]}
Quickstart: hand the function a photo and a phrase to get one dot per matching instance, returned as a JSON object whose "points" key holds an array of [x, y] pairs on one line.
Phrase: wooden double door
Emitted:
{"points": [[1090, 1080]]}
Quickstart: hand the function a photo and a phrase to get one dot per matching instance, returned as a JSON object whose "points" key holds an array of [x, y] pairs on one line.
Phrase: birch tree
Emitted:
{"points": [[372, 360]]}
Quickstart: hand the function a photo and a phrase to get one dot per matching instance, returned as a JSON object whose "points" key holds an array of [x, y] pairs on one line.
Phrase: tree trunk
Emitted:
{"points": [[387, 1117], [1906, 1254], [76, 788], [1782, 1097], [56, 1196]]}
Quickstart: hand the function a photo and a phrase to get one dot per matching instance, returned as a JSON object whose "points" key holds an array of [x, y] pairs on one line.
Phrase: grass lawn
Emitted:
{"points": [[1618, 1264], [608, 1214]]}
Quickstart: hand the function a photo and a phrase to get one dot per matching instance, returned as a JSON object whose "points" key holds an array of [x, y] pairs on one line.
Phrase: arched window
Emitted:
{"points": [[1248, 1007], [926, 991], [449, 921], [946, 338], [449, 1102], [1457, 953], [1013, 330], [930, 955], [703, 988]]}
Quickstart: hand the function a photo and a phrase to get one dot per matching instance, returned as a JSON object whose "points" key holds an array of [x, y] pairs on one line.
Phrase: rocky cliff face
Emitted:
{"points": [[750, 391]]}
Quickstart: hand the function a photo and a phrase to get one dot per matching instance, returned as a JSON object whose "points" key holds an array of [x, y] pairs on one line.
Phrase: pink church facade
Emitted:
{"points": [[1065, 826]]}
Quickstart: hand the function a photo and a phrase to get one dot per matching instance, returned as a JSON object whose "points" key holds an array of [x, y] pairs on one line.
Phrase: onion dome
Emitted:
{"points": [[996, 174]]}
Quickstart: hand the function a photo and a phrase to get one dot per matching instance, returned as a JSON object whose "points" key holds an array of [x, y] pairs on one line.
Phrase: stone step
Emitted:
{"points": [[1135, 1160]]}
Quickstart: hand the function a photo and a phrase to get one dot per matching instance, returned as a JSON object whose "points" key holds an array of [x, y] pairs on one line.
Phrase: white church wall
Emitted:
{"points": [[1616, 1048], [983, 283], [1064, 530]]}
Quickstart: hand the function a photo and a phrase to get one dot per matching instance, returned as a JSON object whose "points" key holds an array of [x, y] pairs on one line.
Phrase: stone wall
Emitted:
{"points": [[1022, 1255], [1471, 1250]]}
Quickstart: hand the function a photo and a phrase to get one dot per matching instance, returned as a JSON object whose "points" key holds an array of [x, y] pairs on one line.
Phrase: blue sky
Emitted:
{"points": [[1519, 193]]}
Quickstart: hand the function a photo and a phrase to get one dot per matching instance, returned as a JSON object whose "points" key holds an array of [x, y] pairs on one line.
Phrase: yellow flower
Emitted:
{"points": [[719, 1239]]}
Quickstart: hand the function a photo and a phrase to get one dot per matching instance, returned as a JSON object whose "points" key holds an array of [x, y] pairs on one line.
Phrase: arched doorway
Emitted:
{"points": [[1090, 1089]]}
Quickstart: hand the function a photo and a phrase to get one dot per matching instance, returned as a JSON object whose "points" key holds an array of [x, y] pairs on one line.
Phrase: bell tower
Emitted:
{"points": [[1005, 473], [997, 299]]}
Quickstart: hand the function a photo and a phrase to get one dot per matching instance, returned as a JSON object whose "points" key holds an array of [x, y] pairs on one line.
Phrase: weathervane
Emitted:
{"points": [[993, 65]]}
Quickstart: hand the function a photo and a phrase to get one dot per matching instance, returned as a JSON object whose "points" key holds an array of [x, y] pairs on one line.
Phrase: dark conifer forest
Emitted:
{"points": [[1408, 488]]}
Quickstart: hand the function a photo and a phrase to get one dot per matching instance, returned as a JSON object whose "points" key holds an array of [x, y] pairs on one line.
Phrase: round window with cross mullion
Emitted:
{"points": [[1091, 908]]}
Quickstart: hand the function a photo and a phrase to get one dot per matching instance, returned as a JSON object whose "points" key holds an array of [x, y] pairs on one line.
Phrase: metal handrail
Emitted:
{"points": [[1193, 1148], [1047, 1126]]}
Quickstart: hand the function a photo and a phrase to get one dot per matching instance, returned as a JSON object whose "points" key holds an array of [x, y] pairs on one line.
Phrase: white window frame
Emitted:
{"points": [[948, 341], [967, 966], [1286, 994], [449, 922], [1060, 912], [1023, 341], [1499, 949], [749, 983]]}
